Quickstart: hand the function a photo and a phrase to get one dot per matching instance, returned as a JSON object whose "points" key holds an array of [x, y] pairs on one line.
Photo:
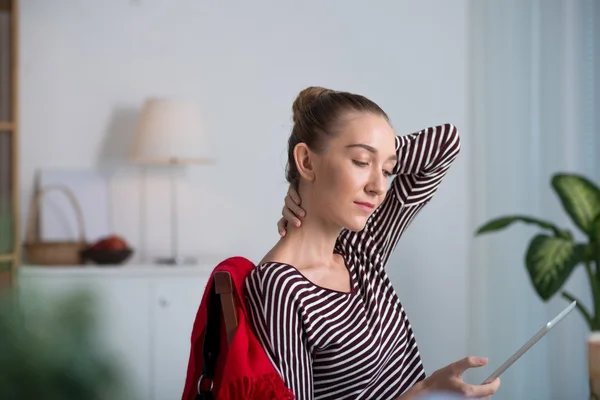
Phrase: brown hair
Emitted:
{"points": [[318, 114]]}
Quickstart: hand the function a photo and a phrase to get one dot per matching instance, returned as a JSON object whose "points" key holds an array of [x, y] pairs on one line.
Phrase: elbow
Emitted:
{"points": [[451, 138], [451, 131]]}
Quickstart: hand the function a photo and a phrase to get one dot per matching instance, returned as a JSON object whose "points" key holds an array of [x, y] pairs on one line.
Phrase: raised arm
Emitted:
{"points": [[275, 313], [423, 160]]}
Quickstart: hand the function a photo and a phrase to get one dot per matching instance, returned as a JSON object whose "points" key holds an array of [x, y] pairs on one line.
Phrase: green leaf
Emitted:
{"points": [[550, 261], [594, 233], [503, 222], [580, 198]]}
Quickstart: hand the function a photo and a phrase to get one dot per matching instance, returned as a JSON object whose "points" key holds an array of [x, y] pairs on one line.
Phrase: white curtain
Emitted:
{"points": [[535, 83]]}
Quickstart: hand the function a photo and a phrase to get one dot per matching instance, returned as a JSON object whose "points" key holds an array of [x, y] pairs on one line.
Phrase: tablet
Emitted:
{"points": [[534, 339]]}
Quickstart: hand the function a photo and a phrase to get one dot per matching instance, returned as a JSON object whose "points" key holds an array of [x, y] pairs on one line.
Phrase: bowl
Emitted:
{"points": [[104, 257]]}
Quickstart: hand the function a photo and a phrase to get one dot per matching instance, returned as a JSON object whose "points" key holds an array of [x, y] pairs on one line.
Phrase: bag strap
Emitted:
{"points": [[210, 347]]}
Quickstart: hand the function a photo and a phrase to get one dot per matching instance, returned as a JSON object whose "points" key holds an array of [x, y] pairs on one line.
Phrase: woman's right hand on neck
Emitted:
{"points": [[291, 212], [449, 380]]}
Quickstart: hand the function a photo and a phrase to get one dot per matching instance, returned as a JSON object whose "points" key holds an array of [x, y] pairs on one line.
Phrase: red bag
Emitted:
{"points": [[241, 370]]}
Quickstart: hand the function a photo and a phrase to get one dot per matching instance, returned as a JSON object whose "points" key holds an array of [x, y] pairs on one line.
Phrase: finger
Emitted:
{"points": [[295, 208], [468, 362], [294, 195], [290, 217], [483, 391], [281, 227]]}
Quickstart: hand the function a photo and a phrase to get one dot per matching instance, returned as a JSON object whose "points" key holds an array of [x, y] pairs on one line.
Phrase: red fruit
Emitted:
{"points": [[112, 242]]}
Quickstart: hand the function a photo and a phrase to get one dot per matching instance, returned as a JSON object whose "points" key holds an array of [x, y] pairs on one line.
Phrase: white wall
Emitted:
{"points": [[87, 67]]}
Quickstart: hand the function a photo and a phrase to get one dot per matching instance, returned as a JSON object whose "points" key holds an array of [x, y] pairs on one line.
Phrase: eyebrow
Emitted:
{"points": [[371, 149]]}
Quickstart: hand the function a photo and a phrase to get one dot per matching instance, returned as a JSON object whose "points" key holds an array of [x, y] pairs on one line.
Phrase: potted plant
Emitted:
{"points": [[554, 253], [50, 349]]}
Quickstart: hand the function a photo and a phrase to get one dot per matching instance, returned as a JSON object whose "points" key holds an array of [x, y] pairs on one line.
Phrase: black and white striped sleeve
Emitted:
{"points": [[272, 300], [424, 157]]}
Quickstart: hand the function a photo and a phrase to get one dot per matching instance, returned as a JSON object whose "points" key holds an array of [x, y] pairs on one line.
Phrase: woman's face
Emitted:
{"points": [[351, 175]]}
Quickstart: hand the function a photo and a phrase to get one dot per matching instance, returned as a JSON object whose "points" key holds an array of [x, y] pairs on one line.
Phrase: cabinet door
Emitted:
{"points": [[176, 302], [123, 318], [126, 323]]}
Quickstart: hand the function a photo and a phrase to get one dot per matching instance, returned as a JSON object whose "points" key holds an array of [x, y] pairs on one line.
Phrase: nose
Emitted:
{"points": [[377, 184]]}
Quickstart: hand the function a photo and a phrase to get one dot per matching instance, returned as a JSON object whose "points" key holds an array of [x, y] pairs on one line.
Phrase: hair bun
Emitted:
{"points": [[305, 98]]}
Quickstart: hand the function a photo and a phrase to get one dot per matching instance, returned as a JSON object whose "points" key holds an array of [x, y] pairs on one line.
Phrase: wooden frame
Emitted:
{"points": [[9, 277], [6, 5]]}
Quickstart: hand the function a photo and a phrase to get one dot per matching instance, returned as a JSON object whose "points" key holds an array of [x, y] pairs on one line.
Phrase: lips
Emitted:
{"points": [[365, 205]]}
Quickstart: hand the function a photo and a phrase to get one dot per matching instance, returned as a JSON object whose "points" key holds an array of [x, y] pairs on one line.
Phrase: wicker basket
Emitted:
{"points": [[53, 252]]}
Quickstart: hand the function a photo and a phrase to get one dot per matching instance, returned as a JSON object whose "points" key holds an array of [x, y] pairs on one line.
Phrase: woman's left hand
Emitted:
{"points": [[291, 212]]}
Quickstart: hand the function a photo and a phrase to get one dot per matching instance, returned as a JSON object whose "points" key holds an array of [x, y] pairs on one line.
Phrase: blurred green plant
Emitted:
{"points": [[49, 350], [553, 255]]}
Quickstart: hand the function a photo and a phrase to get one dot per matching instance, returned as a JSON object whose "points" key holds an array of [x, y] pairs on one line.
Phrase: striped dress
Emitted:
{"points": [[359, 344]]}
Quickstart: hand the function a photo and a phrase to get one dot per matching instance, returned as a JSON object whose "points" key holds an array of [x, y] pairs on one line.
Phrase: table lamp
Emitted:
{"points": [[169, 132]]}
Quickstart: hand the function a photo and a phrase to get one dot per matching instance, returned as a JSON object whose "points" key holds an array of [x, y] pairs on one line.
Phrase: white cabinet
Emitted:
{"points": [[176, 302], [145, 316]]}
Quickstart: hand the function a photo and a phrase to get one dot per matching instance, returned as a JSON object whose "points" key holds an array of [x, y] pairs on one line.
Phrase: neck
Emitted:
{"points": [[315, 239]]}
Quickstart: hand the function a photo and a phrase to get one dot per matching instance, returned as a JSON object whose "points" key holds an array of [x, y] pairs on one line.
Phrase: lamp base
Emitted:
{"points": [[180, 260]]}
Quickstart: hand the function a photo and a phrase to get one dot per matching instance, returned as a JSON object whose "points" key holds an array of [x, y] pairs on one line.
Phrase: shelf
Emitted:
{"points": [[6, 257], [109, 271], [6, 126]]}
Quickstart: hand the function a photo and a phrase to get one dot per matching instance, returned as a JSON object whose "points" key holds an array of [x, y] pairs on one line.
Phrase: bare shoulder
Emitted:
{"points": [[271, 257], [273, 264], [278, 255]]}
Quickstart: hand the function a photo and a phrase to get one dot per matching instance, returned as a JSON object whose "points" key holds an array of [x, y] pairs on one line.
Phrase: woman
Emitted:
{"points": [[320, 301]]}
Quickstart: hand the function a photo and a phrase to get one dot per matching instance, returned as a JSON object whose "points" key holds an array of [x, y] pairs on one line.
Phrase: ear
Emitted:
{"points": [[304, 161]]}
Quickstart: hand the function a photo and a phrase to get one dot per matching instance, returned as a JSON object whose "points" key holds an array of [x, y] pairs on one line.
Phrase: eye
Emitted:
{"points": [[360, 163], [387, 173]]}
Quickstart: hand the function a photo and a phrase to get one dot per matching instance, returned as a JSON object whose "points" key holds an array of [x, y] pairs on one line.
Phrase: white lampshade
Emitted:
{"points": [[170, 132]]}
